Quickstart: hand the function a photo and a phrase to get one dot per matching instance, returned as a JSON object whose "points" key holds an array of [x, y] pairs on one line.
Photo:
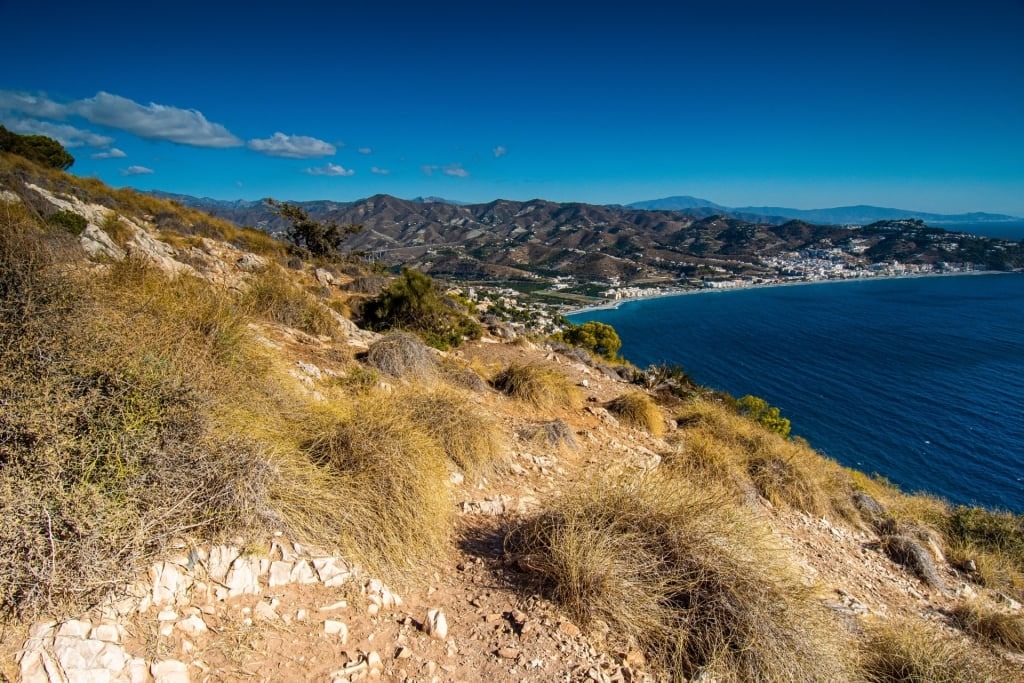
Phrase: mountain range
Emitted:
{"points": [[860, 214], [506, 239]]}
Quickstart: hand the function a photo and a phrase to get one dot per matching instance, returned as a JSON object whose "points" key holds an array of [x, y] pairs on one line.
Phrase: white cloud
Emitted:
{"points": [[455, 170], [366, 150], [500, 151], [154, 121], [429, 170], [137, 170], [330, 169], [379, 171], [292, 146], [112, 153], [32, 105], [65, 134]]}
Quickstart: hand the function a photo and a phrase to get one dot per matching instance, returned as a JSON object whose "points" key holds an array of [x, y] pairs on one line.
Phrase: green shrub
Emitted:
{"points": [[38, 148], [758, 410], [412, 302], [68, 220], [600, 338]]}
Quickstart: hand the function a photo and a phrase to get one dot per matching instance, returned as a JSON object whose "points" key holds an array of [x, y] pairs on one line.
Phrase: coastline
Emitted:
{"points": [[614, 305]]}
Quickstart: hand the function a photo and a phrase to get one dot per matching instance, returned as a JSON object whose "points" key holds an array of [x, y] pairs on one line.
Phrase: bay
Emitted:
{"points": [[920, 380]]}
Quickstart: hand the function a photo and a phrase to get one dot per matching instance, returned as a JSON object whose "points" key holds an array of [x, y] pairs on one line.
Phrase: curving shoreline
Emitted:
{"points": [[614, 305]]}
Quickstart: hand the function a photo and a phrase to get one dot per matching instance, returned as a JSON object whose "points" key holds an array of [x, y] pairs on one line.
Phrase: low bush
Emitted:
{"points": [[639, 410], [68, 220], [412, 302], [986, 623], [394, 475], [402, 355], [274, 297], [468, 436], [910, 652], [537, 385], [677, 569]]}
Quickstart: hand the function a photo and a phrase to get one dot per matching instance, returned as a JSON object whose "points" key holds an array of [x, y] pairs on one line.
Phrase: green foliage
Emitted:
{"points": [[412, 302], [598, 337], [38, 148], [319, 238], [68, 220], [1000, 532], [758, 410]]}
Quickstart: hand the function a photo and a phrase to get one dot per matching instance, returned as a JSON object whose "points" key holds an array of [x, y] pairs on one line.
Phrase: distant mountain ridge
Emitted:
{"points": [[861, 214]]}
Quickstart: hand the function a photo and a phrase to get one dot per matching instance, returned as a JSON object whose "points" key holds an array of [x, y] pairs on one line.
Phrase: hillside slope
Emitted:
{"points": [[209, 472]]}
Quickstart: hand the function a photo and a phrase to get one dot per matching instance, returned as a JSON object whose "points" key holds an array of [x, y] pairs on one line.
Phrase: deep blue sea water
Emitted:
{"points": [[920, 380]]}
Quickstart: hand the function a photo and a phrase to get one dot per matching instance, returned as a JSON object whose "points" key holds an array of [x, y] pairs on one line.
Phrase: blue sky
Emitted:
{"points": [[910, 104]]}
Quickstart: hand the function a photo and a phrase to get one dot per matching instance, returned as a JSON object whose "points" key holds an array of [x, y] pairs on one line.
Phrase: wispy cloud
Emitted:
{"points": [[64, 133], [455, 170], [137, 170], [500, 151], [331, 169], [366, 150], [292, 146], [32, 105], [152, 121], [112, 153], [379, 171]]}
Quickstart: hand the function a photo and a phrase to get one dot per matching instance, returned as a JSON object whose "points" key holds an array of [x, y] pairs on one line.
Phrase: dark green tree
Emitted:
{"points": [[38, 148], [598, 337], [319, 238], [412, 302]]}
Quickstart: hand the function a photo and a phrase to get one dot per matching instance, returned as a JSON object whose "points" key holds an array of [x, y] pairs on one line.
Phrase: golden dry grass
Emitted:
{"points": [[470, 438], [639, 410], [541, 387], [717, 442], [907, 651], [274, 296], [395, 477], [678, 569], [987, 623]]}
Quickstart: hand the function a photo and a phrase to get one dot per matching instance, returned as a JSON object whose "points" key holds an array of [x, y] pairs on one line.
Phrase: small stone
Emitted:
{"points": [[338, 628], [280, 572], [373, 660], [436, 624], [403, 653], [193, 626], [265, 612], [219, 562], [332, 571], [302, 573], [107, 632], [341, 604], [242, 578], [169, 671], [167, 614], [73, 628], [568, 628], [507, 652], [373, 609]]}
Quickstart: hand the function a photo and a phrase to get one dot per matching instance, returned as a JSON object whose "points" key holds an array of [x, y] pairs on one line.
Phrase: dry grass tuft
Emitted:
{"points": [[403, 355], [275, 297], [555, 434], [718, 443], [910, 652], [990, 624], [640, 410], [539, 386], [469, 437], [394, 475], [680, 570]]}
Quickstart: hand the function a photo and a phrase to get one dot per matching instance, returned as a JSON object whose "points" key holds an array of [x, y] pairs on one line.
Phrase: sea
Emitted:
{"points": [[919, 380]]}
